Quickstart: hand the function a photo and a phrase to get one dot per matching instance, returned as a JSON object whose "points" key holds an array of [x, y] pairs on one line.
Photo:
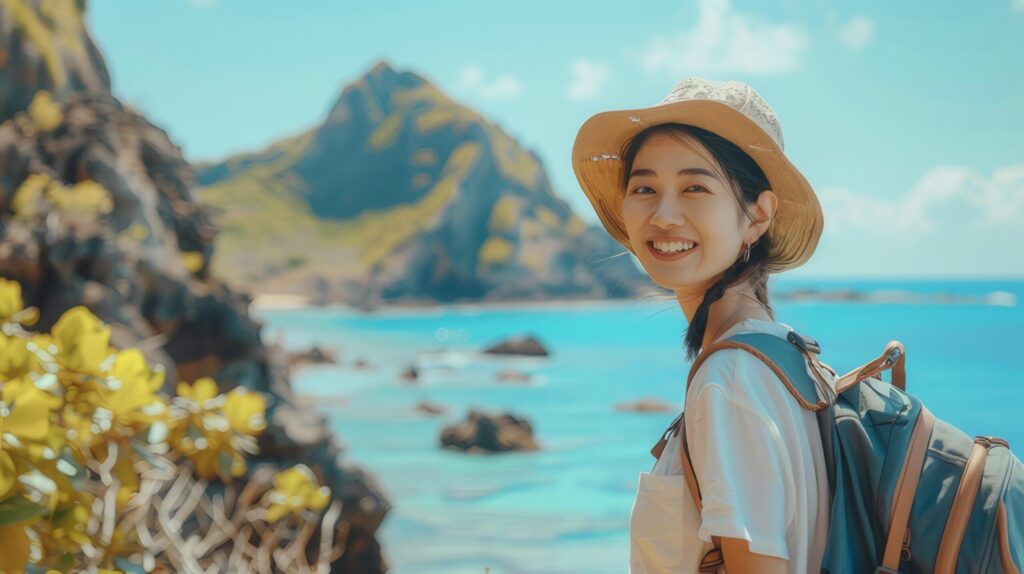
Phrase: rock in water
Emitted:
{"points": [[485, 433], [647, 405], [314, 355], [429, 408], [519, 346], [410, 374]]}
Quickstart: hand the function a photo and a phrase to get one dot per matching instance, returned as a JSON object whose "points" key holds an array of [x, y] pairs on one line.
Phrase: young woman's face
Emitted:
{"points": [[676, 194]]}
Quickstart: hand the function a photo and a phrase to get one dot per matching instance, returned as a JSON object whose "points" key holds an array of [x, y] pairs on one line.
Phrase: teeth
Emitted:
{"points": [[672, 247]]}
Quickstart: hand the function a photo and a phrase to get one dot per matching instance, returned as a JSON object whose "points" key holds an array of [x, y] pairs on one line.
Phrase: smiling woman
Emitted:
{"points": [[699, 190], [705, 203]]}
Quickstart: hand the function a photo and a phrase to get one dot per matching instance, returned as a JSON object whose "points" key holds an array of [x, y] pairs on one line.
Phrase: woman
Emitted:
{"points": [[698, 189]]}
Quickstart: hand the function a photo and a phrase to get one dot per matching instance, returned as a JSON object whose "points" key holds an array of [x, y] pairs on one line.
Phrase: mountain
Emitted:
{"points": [[402, 193]]}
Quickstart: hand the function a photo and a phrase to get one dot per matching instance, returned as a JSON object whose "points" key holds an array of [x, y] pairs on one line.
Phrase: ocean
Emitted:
{"points": [[565, 508]]}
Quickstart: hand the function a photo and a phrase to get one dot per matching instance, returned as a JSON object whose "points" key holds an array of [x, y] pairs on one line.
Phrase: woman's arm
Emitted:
{"points": [[740, 560]]}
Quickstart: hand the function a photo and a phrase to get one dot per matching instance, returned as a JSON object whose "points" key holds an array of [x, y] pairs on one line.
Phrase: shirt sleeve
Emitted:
{"points": [[739, 462]]}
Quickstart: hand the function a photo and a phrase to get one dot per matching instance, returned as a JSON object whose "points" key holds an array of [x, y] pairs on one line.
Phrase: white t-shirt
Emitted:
{"points": [[758, 457]]}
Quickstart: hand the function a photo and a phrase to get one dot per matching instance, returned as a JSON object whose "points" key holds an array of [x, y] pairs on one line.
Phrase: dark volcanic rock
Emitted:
{"points": [[410, 374], [518, 346], [315, 355], [430, 408], [485, 433]]}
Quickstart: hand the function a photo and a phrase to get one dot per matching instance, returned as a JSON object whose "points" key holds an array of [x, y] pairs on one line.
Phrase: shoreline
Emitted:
{"points": [[295, 302], [287, 302]]}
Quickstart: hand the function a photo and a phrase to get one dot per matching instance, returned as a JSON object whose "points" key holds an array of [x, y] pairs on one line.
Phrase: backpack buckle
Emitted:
{"points": [[804, 342]]}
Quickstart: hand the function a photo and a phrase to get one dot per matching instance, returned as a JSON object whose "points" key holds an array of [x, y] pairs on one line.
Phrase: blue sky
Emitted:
{"points": [[907, 121]]}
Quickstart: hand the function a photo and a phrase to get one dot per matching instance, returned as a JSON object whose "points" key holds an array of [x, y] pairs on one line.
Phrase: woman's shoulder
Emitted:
{"points": [[738, 374]]}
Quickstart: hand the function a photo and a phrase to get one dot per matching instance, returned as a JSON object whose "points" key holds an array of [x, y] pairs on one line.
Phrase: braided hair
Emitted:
{"points": [[747, 181]]}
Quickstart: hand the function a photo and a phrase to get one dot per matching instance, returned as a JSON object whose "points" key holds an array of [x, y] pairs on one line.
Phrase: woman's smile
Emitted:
{"points": [[669, 256]]}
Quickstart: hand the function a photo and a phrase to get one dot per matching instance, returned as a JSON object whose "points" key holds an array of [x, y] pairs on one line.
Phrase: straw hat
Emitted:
{"points": [[730, 109]]}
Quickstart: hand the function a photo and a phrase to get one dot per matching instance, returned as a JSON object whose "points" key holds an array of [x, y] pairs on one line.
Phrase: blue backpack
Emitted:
{"points": [[910, 492]]}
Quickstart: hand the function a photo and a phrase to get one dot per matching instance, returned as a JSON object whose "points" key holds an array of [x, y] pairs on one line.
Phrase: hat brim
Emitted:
{"points": [[597, 162]]}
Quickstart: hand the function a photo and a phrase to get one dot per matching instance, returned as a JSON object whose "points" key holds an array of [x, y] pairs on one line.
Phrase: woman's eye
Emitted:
{"points": [[698, 188]]}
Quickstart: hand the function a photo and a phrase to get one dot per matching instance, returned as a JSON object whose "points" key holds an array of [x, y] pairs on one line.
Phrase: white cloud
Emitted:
{"points": [[471, 81], [954, 221], [946, 199], [858, 32], [586, 79], [724, 41]]}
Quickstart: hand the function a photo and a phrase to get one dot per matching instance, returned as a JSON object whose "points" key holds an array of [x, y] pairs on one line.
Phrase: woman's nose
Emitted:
{"points": [[668, 213]]}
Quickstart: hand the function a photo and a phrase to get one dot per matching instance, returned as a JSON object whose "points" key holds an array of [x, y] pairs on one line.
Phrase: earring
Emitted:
{"points": [[746, 254]]}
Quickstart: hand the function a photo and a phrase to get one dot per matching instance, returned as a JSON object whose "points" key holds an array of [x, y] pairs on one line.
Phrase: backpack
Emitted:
{"points": [[910, 492]]}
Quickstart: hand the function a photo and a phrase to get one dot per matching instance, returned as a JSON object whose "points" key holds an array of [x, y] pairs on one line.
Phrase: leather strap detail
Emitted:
{"points": [[713, 562], [727, 344], [659, 446], [1003, 534], [960, 513], [694, 487], [894, 356], [688, 473], [906, 485]]}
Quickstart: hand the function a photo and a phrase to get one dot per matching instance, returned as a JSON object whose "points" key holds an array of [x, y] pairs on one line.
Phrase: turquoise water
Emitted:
{"points": [[566, 508]]}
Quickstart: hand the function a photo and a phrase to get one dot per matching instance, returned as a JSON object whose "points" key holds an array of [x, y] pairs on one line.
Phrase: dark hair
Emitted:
{"points": [[747, 181]]}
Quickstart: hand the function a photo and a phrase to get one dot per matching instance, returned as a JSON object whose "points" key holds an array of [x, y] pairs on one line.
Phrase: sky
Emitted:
{"points": [[908, 122]]}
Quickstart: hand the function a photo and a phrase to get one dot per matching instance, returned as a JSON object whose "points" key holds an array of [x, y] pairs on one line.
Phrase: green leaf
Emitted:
{"points": [[18, 509]]}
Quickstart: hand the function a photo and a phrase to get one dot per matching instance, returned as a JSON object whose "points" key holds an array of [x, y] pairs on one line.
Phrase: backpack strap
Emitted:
{"points": [[788, 358], [713, 559], [906, 487]]}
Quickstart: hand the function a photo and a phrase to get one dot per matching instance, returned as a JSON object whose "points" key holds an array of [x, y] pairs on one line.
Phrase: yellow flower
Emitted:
{"points": [[81, 435], [212, 429], [25, 415], [85, 197], [28, 199], [83, 341], [12, 308], [131, 394], [295, 490], [44, 111], [246, 411], [15, 358], [193, 260], [24, 410], [202, 390]]}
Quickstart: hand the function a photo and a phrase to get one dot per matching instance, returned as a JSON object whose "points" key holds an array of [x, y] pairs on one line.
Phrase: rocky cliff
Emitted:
{"points": [[97, 208]]}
